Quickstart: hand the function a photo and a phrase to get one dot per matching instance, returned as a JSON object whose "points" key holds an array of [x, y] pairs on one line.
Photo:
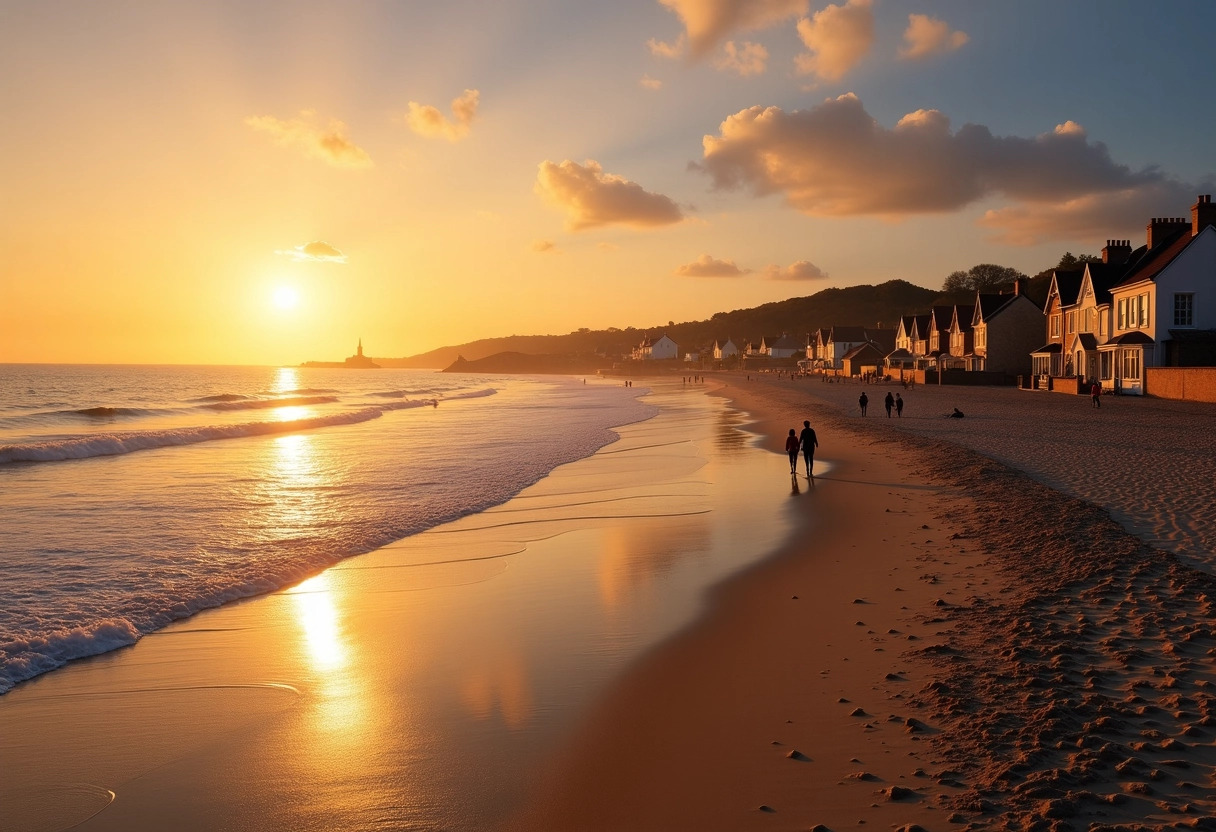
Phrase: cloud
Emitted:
{"points": [[545, 247], [428, 121], [927, 36], [650, 83], [837, 38], [798, 270], [1099, 216], [709, 22], [592, 198], [667, 50], [748, 59], [328, 142], [317, 251], [836, 160], [706, 266]]}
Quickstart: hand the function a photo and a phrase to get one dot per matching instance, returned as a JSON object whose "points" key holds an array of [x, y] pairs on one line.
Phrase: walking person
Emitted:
{"points": [[899, 406], [889, 402], [809, 443], [863, 400], [791, 448], [1095, 394]]}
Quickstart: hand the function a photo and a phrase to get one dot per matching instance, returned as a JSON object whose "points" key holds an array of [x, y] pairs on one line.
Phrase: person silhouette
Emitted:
{"points": [[863, 400], [889, 402], [809, 443], [791, 448], [899, 405]]}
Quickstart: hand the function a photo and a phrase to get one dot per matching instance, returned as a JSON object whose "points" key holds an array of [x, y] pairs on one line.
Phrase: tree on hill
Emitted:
{"points": [[1070, 261], [984, 277]]}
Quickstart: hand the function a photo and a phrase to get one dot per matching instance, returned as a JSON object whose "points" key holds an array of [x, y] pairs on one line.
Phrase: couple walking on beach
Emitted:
{"points": [[807, 442]]}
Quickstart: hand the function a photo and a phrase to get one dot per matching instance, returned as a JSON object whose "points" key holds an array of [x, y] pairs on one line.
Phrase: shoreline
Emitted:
{"points": [[1058, 674], [419, 684]]}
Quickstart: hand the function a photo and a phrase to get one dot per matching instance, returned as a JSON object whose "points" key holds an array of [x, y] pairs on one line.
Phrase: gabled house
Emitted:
{"points": [[841, 339], [861, 358], [655, 349], [725, 349], [1048, 360], [1092, 315], [1164, 307], [817, 345], [1005, 328], [962, 341], [919, 340], [784, 347], [938, 342]]}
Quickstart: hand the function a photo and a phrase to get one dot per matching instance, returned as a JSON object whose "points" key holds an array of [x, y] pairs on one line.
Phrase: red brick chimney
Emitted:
{"points": [[1161, 228], [1117, 251], [1203, 213]]}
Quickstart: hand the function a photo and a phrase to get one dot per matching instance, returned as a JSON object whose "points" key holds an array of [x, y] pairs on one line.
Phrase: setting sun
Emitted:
{"points": [[285, 298]]}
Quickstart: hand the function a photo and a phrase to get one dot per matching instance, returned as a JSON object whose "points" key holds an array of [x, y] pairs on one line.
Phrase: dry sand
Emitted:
{"points": [[953, 644]]}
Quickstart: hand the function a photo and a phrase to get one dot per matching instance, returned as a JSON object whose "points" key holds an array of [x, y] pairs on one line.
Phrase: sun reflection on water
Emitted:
{"points": [[286, 378], [319, 620]]}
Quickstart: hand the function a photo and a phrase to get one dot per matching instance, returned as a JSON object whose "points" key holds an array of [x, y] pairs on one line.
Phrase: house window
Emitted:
{"points": [[1122, 313], [1184, 309], [1104, 365], [1072, 322], [1055, 326], [1101, 325], [1131, 365], [981, 337], [1143, 307]]}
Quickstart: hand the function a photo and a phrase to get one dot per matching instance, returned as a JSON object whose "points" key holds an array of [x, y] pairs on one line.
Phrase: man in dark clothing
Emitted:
{"points": [[889, 401], [809, 443], [899, 406], [863, 400]]}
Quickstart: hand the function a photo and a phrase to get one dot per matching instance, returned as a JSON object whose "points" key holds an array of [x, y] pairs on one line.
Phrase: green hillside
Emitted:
{"points": [[880, 305]]}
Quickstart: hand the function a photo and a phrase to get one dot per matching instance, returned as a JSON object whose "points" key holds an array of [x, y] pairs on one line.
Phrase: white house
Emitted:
{"points": [[656, 349], [725, 349], [783, 347], [1166, 305]]}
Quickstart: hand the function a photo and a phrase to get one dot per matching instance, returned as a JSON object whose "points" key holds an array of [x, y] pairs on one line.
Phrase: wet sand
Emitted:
{"points": [[953, 645], [420, 686]]}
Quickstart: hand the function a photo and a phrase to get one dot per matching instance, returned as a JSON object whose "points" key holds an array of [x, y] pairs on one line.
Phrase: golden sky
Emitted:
{"points": [[229, 182]]}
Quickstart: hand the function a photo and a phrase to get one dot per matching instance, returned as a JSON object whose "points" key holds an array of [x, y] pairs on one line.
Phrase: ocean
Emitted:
{"points": [[134, 496]]}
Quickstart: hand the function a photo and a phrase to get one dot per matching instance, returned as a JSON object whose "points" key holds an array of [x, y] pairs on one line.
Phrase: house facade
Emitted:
{"points": [[725, 349], [656, 349], [1005, 329], [1163, 311]]}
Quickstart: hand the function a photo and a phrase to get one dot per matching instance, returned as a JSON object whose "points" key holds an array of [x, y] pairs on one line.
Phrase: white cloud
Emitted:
{"points": [[317, 251], [836, 160], [710, 22], [592, 198], [706, 266], [927, 36], [428, 121], [328, 142], [837, 38], [651, 83], [798, 270], [746, 59]]}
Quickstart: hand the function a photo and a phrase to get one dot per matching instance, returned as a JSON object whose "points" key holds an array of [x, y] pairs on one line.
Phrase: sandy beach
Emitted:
{"points": [[958, 624], [953, 644]]}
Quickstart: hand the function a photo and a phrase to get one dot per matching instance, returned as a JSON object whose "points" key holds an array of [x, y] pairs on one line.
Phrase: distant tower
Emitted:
{"points": [[360, 352]]}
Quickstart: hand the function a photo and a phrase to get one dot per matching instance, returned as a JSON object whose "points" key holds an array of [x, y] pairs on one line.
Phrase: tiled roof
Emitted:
{"points": [[1068, 284], [1133, 337], [1048, 348], [1154, 261], [1088, 341]]}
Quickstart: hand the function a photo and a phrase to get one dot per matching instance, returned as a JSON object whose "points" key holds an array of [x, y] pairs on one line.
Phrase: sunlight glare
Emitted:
{"points": [[286, 297]]}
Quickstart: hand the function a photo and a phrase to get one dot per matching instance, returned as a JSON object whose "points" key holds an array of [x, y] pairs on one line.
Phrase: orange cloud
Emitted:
{"points": [[428, 121], [651, 83], [667, 50], [836, 160], [706, 266], [545, 247], [709, 22], [837, 38], [747, 59], [798, 270], [592, 198], [317, 251], [927, 36], [328, 143]]}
